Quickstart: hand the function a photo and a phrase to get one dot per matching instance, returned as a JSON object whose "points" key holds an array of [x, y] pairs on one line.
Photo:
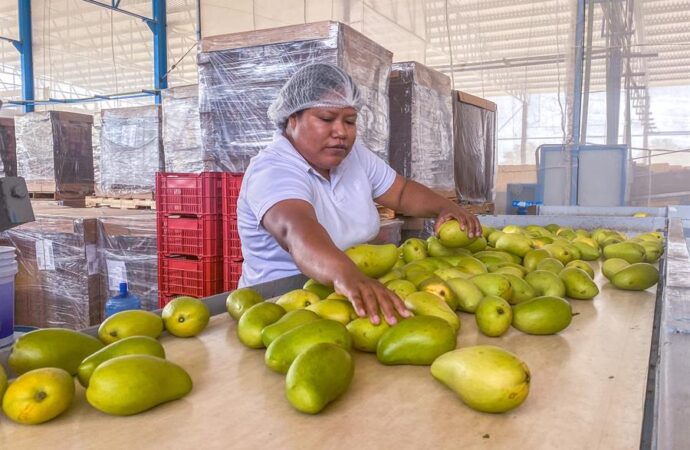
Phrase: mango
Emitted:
{"points": [[508, 270], [522, 290], [339, 310], [254, 320], [132, 384], [289, 321], [515, 244], [578, 284], [587, 252], [471, 265], [580, 264], [417, 278], [486, 378], [630, 251], [52, 347], [283, 351], [493, 316], [552, 228], [414, 249], [613, 265], [297, 299], [653, 250], [3, 381], [319, 375], [494, 237], [487, 230], [428, 304], [516, 269], [435, 248], [450, 235], [317, 288], [440, 288], [636, 277], [130, 323], [240, 300], [38, 395], [395, 274], [492, 257], [478, 245], [418, 340], [450, 272], [546, 283], [185, 316], [373, 260], [534, 257], [493, 284], [402, 288], [551, 265], [542, 315], [133, 345], [560, 252], [439, 262], [366, 335], [467, 293]]}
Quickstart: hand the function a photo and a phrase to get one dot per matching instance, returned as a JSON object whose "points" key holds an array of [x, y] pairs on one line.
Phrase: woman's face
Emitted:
{"points": [[323, 136]]}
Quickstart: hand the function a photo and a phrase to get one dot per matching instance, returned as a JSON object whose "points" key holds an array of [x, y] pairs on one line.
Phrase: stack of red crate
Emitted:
{"points": [[190, 244], [232, 250]]}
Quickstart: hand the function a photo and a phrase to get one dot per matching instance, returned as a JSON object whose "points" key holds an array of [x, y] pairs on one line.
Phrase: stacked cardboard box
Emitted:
{"points": [[240, 75], [182, 130], [8, 147]]}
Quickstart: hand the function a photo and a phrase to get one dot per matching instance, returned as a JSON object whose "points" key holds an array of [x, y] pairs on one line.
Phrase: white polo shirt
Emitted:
{"points": [[344, 205]]}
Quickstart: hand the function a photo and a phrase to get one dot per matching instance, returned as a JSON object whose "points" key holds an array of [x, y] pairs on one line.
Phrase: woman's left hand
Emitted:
{"points": [[468, 221]]}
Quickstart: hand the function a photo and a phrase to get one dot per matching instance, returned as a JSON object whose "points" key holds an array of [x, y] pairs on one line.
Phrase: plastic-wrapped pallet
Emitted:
{"points": [[54, 153], [474, 131], [127, 252], [182, 130], [131, 151], [96, 145], [421, 116], [8, 149], [58, 284], [240, 75]]}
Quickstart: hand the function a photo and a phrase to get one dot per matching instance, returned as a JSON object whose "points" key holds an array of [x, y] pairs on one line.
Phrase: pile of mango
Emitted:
{"points": [[124, 371], [520, 277]]}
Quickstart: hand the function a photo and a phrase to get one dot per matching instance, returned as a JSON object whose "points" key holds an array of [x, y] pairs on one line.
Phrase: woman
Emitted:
{"points": [[310, 194]]}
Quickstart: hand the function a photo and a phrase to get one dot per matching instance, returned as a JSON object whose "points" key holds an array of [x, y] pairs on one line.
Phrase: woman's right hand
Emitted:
{"points": [[369, 297]]}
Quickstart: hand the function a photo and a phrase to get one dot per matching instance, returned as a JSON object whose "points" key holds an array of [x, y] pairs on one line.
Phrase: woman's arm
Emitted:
{"points": [[416, 200], [294, 225]]}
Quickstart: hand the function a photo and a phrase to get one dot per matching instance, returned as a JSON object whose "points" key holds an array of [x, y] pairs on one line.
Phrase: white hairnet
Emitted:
{"points": [[314, 86]]}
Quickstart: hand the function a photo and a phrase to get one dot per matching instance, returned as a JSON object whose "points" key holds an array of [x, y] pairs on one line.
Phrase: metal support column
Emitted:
{"points": [[160, 48], [579, 59], [523, 135], [588, 69], [25, 47]]}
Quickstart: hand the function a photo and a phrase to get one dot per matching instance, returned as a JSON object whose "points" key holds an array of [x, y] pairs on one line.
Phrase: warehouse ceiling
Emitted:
{"points": [[499, 47]]}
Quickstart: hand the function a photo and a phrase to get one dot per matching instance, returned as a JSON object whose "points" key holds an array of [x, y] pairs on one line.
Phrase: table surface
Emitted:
{"points": [[587, 391]]}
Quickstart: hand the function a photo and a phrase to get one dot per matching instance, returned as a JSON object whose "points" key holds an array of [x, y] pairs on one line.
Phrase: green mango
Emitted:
{"points": [[289, 321], [653, 250], [134, 345], [493, 316], [471, 265], [486, 378], [449, 272], [613, 265], [561, 252], [542, 315], [435, 248], [512, 229], [132, 384], [546, 283], [283, 351], [534, 257], [428, 304], [417, 278], [580, 264], [366, 335], [587, 252], [538, 230], [255, 319], [494, 237], [493, 268], [373, 260], [578, 284], [610, 240], [402, 288], [52, 347], [319, 375], [567, 233], [629, 251], [581, 232], [130, 323], [335, 309], [493, 284], [423, 264], [240, 300], [317, 288], [515, 244], [486, 231], [508, 270], [414, 249], [297, 299], [522, 291], [636, 277], [440, 288], [492, 257], [417, 341], [551, 265], [541, 241], [467, 293], [450, 235], [439, 262], [395, 274], [552, 228], [478, 245]]}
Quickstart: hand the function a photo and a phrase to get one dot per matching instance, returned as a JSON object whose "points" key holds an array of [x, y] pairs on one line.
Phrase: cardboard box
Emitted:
{"points": [[8, 147]]}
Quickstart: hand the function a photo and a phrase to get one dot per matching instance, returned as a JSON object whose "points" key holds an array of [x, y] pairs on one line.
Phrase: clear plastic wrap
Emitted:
{"points": [[127, 252], [182, 130], [54, 152], [131, 151], [421, 116], [8, 149], [390, 232], [241, 74], [474, 131], [96, 146]]}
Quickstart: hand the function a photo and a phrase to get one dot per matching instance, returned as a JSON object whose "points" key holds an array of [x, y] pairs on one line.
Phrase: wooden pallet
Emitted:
{"points": [[385, 213], [121, 203]]}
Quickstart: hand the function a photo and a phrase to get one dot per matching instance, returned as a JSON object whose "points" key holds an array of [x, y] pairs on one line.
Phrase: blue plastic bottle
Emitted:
{"points": [[122, 302]]}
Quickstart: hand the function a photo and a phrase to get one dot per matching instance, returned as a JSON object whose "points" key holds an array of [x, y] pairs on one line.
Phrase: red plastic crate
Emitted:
{"points": [[164, 299], [232, 247], [191, 236], [231, 191], [232, 271], [189, 193], [194, 277]]}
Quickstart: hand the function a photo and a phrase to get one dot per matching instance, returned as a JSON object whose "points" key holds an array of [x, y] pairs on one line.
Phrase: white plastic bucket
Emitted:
{"points": [[8, 270]]}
